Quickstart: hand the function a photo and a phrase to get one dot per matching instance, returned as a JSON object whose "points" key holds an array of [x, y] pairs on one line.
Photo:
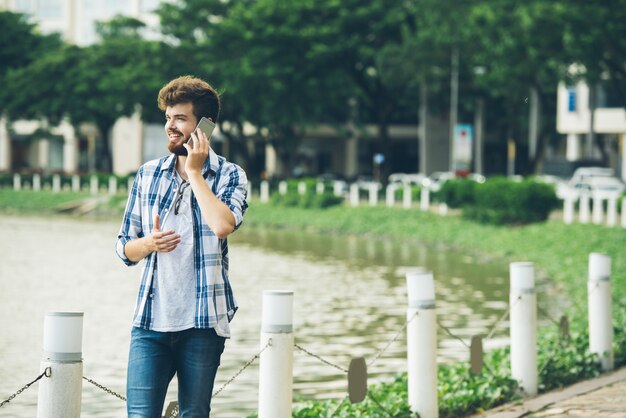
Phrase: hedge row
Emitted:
{"points": [[500, 200]]}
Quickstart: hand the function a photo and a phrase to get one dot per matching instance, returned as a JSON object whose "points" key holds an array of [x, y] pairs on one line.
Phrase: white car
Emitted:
{"points": [[583, 173], [437, 179], [600, 186], [406, 178]]}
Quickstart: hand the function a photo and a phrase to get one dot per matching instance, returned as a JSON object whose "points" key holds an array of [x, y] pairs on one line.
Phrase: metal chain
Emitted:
{"points": [[502, 318], [106, 389], [547, 315], [369, 394], [554, 354], [394, 339], [304, 350], [447, 330], [339, 406], [47, 372], [245, 366]]}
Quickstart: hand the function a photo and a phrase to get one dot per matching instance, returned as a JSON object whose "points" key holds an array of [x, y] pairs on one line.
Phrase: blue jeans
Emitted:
{"points": [[193, 354]]}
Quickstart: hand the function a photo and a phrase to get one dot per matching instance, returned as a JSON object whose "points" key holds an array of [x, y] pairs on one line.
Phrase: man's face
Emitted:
{"points": [[179, 124]]}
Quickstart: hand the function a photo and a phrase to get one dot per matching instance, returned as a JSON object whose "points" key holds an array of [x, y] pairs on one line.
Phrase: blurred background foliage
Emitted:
{"points": [[286, 64]]}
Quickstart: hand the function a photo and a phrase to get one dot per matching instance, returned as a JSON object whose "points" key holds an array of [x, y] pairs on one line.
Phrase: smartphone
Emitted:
{"points": [[206, 126]]}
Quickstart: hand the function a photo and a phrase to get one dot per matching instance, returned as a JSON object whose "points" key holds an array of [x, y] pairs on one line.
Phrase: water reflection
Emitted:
{"points": [[350, 300]]}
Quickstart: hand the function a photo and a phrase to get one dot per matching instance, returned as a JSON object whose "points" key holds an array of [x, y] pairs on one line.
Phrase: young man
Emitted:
{"points": [[179, 212]]}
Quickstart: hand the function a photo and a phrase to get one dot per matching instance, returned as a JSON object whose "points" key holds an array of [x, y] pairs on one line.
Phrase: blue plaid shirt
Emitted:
{"points": [[153, 193]]}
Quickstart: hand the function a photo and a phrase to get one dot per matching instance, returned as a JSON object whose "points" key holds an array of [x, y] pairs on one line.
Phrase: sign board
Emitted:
{"points": [[463, 140]]}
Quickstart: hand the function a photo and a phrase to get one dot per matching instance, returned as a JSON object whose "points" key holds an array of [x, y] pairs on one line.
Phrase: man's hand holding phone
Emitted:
{"points": [[198, 145]]}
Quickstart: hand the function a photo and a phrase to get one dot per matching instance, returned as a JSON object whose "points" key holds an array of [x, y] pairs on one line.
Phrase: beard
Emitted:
{"points": [[177, 149]]}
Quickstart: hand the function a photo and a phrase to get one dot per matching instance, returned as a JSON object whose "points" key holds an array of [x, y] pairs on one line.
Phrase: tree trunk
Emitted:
{"points": [[533, 123], [479, 120], [423, 130], [454, 103]]}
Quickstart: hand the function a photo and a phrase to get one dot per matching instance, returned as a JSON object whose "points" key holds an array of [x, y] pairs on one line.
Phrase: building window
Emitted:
{"points": [[49, 9], [149, 6], [571, 99], [24, 6], [117, 7]]}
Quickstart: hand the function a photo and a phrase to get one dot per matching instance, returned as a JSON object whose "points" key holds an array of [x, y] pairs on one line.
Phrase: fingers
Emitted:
{"points": [[165, 241], [157, 222], [198, 142]]}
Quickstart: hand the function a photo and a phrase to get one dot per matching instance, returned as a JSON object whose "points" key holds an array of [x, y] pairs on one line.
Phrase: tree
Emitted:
{"points": [[96, 84], [520, 48], [594, 38], [20, 44]]}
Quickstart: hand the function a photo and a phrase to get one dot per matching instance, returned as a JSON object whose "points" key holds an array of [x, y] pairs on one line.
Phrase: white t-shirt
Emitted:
{"points": [[174, 286]]}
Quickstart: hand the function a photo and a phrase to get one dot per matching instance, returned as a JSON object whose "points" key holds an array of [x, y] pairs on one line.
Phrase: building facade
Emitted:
{"points": [[581, 124], [29, 146]]}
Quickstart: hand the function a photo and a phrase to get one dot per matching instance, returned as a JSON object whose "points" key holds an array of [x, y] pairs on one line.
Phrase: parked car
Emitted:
{"points": [[437, 179], [583, 173], [406, 178], [365, 182], [601, 186], [338, 182]]}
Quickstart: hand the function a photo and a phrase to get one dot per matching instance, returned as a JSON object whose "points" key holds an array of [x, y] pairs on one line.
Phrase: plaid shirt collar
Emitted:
{"points": [[211, 165]]}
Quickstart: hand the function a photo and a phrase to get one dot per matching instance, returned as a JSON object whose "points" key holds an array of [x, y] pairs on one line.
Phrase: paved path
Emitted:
{"points": [[604, 396]]}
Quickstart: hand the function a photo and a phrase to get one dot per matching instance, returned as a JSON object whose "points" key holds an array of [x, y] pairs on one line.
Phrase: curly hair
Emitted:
{"points": [[204, 98]]}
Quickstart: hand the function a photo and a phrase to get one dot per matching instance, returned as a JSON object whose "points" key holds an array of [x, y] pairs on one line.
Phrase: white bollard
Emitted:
{"points": [[301, 188], [93, 185], [597, 211], [130, 182], [425, 199], [422, 344], [282, 188], [112, 186], [319, 187], [265, 191], [17, 182], [583, 214], [523, 305], [611, 211], [60, 394], [373, 194], [443, 209], [36, 182], [338, 188], [56, 183], [407, 199], [76, 183], [568, 210], [390, 195], [600, 310], [354, 194], [276, 361]]}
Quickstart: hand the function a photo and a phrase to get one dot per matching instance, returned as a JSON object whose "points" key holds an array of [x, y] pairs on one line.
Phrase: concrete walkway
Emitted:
{"points": [[604, 396]]}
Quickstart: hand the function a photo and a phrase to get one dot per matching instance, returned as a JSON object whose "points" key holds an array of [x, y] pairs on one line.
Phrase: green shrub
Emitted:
{"points": [[415, 193], [502, 201], [457, 193], [310, 199]]}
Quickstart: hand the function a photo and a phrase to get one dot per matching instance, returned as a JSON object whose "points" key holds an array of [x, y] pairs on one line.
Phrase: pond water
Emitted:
{"points": [[350, 300]]}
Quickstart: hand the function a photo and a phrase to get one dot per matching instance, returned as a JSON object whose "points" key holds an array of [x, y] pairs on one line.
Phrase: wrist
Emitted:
{"points": [[194, 174]]}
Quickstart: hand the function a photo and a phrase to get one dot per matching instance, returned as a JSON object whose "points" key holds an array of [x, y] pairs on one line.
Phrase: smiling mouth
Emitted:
{"points": [[173, 136]]}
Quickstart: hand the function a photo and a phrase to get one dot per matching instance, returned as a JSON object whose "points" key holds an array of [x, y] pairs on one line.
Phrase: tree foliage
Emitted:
{"points": [[284, 65]]}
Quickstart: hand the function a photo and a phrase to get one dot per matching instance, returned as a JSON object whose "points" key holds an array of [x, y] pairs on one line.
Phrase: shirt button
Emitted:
{"points": [[151, 295]]}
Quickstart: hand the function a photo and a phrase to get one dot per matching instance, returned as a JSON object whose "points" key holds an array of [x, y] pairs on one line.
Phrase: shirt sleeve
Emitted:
{"points": [[131, 222], [232, 190]]}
